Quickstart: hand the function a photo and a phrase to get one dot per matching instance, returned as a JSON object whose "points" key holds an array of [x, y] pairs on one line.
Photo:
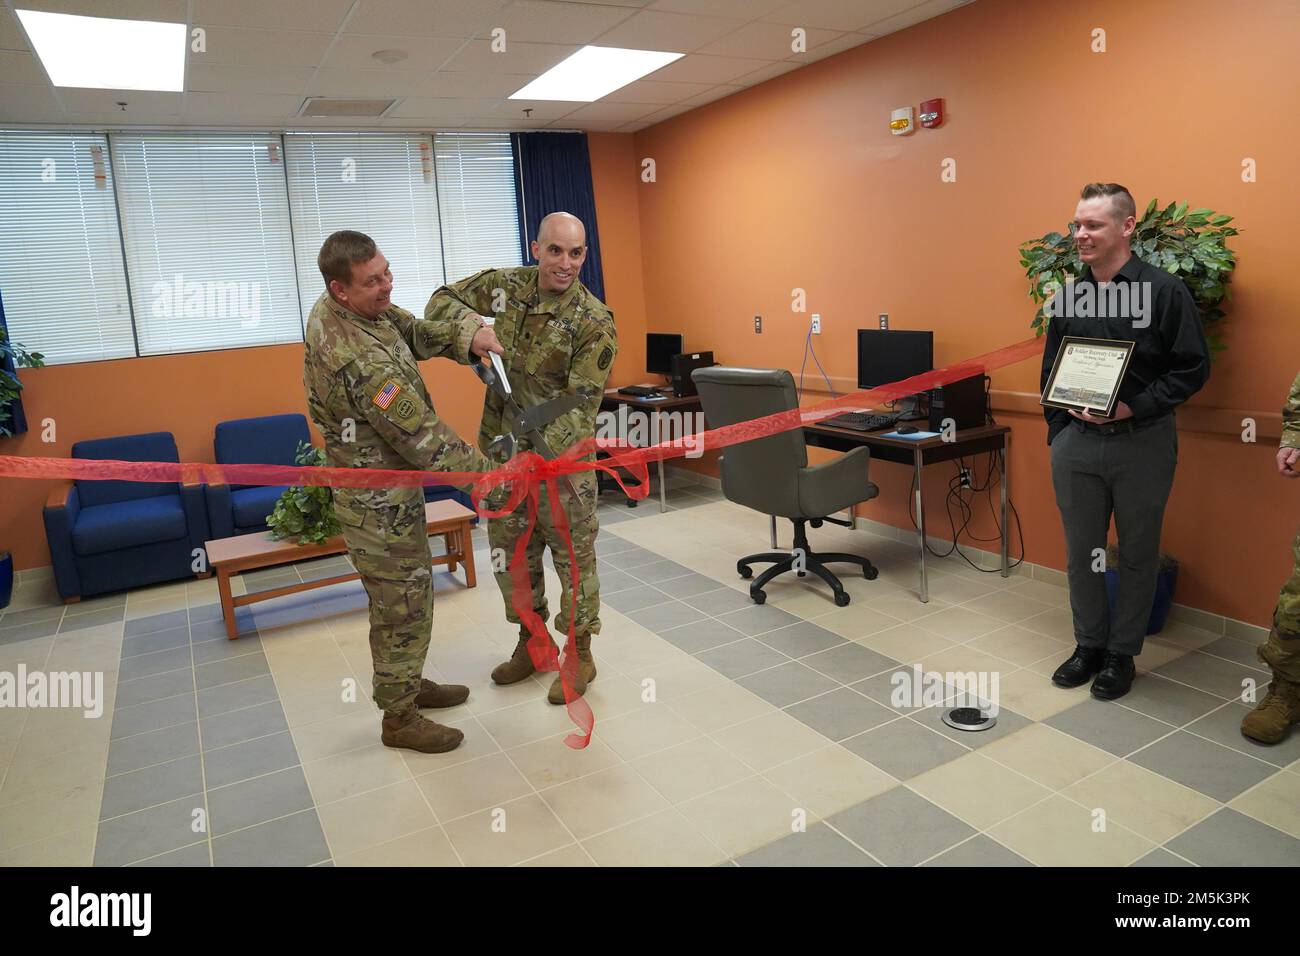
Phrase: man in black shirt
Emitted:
{"points": [[1123, 465]]}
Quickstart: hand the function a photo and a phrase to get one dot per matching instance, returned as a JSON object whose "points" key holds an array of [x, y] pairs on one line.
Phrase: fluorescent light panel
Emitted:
{"points": [[593, 72], [103, 54]]}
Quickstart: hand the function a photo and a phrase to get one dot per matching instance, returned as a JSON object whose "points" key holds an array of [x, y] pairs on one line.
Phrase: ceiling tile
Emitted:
{"points": [[717, 93], [227, 46], [553, 21], [668, 112], [763, 74], [765, 41], [673, 32], [426, 18], [698, 68], [532, 58], [470, 85], [846, 41], [622, 112], [494, 123], [415, 123], [737, 9], [541, 109], [28, 104], [837, 14], [11, 34], [423, 53], [248, 79], [588, 126], [310, 16], [142, 105], [416, 107], [364, 83], [232, 107], [21, 68], [166, 11], [912, 16], [653, 91]]}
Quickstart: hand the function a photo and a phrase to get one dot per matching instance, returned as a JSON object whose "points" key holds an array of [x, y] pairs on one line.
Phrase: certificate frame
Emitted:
{"points": [[1103, 396]]}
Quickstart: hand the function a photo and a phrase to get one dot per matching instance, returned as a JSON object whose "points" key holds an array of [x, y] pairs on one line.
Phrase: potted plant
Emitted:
{"points": [[12, 355], [306, 512]]}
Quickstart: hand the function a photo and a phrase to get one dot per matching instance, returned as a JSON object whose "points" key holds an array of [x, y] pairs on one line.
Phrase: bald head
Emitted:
{"points": [[560, 250]]}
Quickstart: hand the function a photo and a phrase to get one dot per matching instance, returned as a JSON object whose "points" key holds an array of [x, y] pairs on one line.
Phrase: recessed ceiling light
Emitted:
{"points": [[593, 72], [389, 56], [104, 54]]}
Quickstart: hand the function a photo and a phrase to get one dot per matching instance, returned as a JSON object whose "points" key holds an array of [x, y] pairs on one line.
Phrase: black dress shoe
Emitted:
{"points": [[1115, 677], [1083, 663]]}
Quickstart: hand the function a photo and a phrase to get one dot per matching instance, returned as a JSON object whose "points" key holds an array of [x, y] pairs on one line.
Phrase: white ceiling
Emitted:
{"points": [[264, 57]]}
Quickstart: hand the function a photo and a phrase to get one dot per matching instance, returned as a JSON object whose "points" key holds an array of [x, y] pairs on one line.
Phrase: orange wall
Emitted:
{"points": [[188, 394], [797, 183]]}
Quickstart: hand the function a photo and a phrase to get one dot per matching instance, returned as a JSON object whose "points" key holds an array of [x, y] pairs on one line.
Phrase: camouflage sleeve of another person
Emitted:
{"points": [[406, 422], [589, 371], [1291, 417], [429, 340], [449, 316]]}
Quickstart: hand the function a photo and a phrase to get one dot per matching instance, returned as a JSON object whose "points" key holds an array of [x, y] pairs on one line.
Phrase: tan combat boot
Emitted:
{"points": [[440, 695], [1280, 708], [409, 731], [585, 675], [518, 667]]}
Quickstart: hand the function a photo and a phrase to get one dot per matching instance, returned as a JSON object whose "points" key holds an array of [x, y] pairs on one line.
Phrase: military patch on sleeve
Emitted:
{"points": [[384, 397], [606, 356], [405, 408]]}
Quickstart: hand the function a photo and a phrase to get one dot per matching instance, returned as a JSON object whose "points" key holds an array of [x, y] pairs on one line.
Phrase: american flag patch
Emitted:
{"points": [[384, 397]]}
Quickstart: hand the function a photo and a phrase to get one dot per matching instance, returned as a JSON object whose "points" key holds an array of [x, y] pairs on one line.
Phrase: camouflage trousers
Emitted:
{"points": [[390, 550], [1282, 650], [504, 533]]}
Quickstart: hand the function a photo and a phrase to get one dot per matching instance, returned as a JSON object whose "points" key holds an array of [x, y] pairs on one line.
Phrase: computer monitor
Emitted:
{"points": [[887, 355], [660, 347]]}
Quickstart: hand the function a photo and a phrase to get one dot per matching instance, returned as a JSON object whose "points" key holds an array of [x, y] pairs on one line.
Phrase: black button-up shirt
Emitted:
{"points": [[1171, 359]]}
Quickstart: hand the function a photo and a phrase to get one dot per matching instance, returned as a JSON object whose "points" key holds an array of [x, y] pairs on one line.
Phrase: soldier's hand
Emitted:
{"points": [[485, 341], [1287, 461]]}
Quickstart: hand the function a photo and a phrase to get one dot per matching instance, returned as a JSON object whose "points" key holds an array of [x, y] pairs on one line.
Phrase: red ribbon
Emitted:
{"points": [[523, 476]]}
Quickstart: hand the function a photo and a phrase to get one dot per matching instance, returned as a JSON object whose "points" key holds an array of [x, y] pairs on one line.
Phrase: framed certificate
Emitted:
{"points": [[1086, 375]]}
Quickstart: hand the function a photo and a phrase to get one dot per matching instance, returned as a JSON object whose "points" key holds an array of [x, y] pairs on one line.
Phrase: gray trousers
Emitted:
{"points": [[1128, 474]]}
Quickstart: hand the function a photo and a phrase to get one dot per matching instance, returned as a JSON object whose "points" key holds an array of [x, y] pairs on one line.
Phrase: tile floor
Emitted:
{"points": [[727, 733]]}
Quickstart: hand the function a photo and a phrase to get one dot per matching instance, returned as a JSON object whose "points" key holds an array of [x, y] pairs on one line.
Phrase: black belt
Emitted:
{"points": [[1120, 427]]}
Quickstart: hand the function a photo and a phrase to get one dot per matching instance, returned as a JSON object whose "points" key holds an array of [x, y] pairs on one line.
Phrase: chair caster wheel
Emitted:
{"points": [[744, 571], [802, 574], [758, 597], [870, 573], [841, 599], [631, 503]]}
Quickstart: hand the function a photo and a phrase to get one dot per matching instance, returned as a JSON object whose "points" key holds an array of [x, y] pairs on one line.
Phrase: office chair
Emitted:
{"points": [[771, 475]]}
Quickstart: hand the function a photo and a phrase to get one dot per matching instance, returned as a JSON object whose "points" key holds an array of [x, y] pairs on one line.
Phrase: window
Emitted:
{"points": [[61, 269], [205, 225], [379, 184], [476, 202]]}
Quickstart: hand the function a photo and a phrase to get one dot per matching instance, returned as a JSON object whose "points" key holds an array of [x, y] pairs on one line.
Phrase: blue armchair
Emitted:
{"points": [[267, 440], [110, 535]]}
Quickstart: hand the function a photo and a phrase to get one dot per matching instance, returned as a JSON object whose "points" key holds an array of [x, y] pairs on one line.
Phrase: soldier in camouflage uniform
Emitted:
{"points": [[365, 394], [554, 336], [1280, 708]]}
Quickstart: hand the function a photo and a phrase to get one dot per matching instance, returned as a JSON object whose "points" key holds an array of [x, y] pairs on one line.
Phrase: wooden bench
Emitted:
{"points": [[248, 552]]}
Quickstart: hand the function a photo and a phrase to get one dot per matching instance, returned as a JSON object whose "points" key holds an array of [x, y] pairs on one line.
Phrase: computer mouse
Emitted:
{"points": [[908, 430]]}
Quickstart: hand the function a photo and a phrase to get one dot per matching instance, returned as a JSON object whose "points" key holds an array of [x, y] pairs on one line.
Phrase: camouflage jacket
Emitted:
{"points": [[564, 344], [361, 375], [1291, 417]]}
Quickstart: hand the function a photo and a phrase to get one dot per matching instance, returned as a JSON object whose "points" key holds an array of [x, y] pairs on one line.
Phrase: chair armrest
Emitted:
{"points": [[836, 484], [221, 515], [61, 510]]}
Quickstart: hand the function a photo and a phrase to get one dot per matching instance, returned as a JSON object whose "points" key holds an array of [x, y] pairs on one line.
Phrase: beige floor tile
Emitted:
{"points": [[653, 727], [900, 603], [1180, 634], [324, 700], [73, 848], [1146, 803], [1053, 595], [512, 833], [532, 720], [337, 735], [673, 680], [32, 653], [477, 743], [1007, 605], [476, 785], [690, 769], [48, 815], [550, 761], [1157, 655], [486, 697], [665, 839], [603, 800], [966, 660], [429, 847], [719, 707], [769, 740], [369, 819], [743, 816], [1032, 694], [31, 773], [1021, 646], [804, 600], [612, 694], [952, 586], [353, 772], [1046, 755], [906, 643], [829, 780], [959, 624], [856, 621], [1276, 802], [566, 856], [1057, 623], [977, 790], [1057, 832]]}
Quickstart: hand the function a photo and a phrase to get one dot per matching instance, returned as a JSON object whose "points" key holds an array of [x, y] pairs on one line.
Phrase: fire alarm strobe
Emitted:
{"points": [[900, 121], [931, 113]]}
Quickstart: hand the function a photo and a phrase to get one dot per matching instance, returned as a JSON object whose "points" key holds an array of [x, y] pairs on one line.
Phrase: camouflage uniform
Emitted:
{"points": [[364, 372], [553, 344], [1287, 615]]}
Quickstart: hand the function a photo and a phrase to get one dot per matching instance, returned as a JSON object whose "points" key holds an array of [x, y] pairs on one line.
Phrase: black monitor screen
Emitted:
{"points": [[659, 351], [887, 355]]}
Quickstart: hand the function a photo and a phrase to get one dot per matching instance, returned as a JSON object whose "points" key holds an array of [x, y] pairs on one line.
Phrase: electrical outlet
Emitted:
{"points": [[884, 320], [965, 477], [816, 324], [758, 325]]}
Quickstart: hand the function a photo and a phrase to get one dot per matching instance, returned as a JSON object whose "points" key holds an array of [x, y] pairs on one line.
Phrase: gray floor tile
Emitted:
{"points": [[240, 725], [156, 622], [1224, 727], [157, 687], [228, 697], [1230, 648], [841, 713], [27, 632], [900, 828], [258, 800], [147, 833], [196, 854], [904, 748], [205, 612], [205, 631], [690, 585], [607, 544], [701, 635], [804, 638], [153, 715], [819, 845], [659, 571], [635, 598], [98, 603], [158, 746], [662, 617], [79, 622], [156, 641], [1215, 771], [758, 619], [163, 783], [251, 758], [231, 670], [848, 662], [209, 652], [788, 684], [1171, 702], [1008, 723], [1109, 726], [743, 657], [295, 840], [32, 615], [1161, 857], [721, 600], [1213, 675], [886, 689], [155, 662], [631, 559], [612, 582], [979, 851], [1229, 838]]}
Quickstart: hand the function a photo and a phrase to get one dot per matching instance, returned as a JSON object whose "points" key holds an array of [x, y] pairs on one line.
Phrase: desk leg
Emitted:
{"points": [[227, 602], [920, 521], [1006, 472], [663, 490], [773, 532], [467, 554]]}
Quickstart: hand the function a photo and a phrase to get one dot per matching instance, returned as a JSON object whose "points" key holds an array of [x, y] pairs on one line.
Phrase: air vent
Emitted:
{"points": [[329, 106]]}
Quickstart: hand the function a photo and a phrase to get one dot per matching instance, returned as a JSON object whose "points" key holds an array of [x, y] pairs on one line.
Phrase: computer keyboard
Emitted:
{"points": [[639, 391], [863, 421]]}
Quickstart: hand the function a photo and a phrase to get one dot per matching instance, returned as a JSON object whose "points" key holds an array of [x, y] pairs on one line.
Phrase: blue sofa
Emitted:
{"points": [[266, 440], [111, 535]]}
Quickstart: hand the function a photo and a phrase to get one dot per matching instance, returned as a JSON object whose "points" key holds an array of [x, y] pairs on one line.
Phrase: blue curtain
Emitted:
{"points": [[17, 421], [553, 174]]}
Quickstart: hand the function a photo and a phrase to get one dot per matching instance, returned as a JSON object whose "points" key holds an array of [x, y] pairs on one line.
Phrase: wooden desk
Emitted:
{"points": [[927, 451], [247, 552], [656, 407]]}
